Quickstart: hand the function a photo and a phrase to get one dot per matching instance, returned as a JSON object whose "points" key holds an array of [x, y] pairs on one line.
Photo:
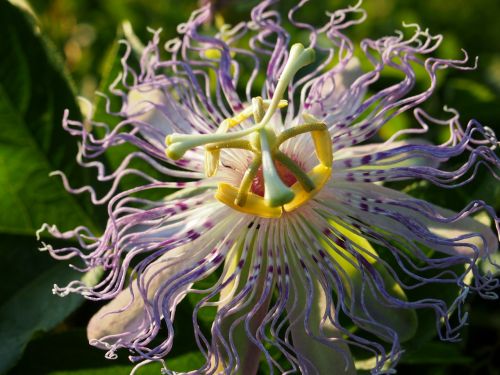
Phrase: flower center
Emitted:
{"points": [[273, 183]]}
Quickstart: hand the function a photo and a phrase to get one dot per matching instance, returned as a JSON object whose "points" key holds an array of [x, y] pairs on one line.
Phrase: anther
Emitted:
{"points": [[284, 189]]}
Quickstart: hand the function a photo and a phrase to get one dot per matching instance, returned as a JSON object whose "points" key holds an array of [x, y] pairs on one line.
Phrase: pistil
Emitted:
{"points": [[261, 140]]}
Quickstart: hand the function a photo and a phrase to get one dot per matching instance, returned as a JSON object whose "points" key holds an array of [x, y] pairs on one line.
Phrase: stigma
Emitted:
{"points": [[273, 183]]}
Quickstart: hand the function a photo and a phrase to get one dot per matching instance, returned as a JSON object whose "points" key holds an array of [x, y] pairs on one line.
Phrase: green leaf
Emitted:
{"points": [[67, 352], [21, 263], [27, 190], [32, 309], [28, 307], [181, 363], [478, 91], [432, 353], [110, 70], [34, 92], [33, 95], [151, 369], [436, 353], [65, 349]]}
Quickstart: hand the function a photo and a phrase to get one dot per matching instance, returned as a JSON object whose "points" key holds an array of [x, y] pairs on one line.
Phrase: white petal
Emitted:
{"points": [[356, 153], [315, 357], [157, 114], [142, 105], [333, 97], [126, 315], [482, 236]]}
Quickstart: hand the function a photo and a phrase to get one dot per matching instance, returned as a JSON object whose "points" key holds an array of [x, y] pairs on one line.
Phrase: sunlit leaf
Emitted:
{"points": [[34, 92]]}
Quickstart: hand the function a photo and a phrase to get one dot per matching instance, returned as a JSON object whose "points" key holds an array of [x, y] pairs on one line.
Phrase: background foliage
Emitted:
{"points": [[52, 50]]}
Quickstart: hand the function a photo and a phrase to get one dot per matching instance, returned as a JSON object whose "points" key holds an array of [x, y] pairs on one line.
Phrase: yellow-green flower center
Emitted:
{"points": [[282, 193]]}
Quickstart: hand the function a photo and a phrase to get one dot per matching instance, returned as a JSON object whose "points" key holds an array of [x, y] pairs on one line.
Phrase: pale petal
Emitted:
{"points": [[142, 105], [159, 114], [316, 357], [379, 314], [127, 314], [477, 234], [331, 95], [384, 156]]}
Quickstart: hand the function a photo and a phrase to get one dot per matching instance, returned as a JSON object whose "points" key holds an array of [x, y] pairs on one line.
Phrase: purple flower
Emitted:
{"points": [[275, 213]]}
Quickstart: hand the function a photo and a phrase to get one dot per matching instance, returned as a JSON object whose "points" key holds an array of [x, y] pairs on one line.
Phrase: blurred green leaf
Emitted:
{"points": [[29, 198], [34, 92], [73, 353], [478, 91], [403, 121], [181, 363], [436, 353], [32, 309], [110, 69], [152, 369], [432, 353], [76, 357], [33, 95]]}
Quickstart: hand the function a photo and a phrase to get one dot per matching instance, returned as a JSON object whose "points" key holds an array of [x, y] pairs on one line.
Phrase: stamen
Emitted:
{"points": [[258, 109], [319, 175], [212, 154], [260, 139], [322, 141], [250, 110], [179, 144], [300, 129], [238, 143], [246, 182], [254, 204]]}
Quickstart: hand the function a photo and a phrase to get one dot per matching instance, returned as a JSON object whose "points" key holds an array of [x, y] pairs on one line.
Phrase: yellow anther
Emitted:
{"points": [[319, 175], [211, 162], [302, 177], [297, 59], [212, 154], [258, 109], [255, 205], [281, 181], [286, 199], [278, 197], [246, 182], [322, 141], [212, 157], [300, 129]]}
